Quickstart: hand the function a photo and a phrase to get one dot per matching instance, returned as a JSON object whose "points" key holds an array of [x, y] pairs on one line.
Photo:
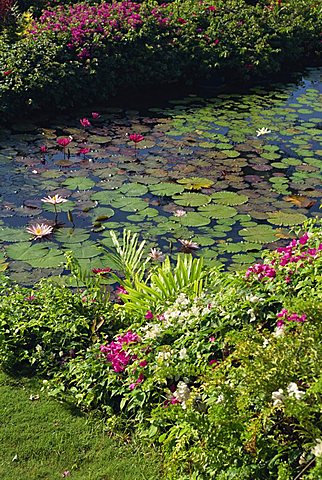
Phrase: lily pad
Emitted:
{"points": [[79, 183], [229, 198], [218, 211], [192, 199], [286, 219], [195, 183], [165, 189]]}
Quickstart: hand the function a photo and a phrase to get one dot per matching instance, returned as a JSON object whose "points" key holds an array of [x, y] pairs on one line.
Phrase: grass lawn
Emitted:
{"points": [[41, 439]]}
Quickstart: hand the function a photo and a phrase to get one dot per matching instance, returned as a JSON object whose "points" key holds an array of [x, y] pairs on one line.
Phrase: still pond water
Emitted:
{"points": [[239, 191]]}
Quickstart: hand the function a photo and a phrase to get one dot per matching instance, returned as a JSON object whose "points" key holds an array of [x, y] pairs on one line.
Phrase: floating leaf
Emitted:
{"points": [[79, 183], [259, 234], [300, 201], [286, 219], [134, 189], [218, 211], [192, 199], [165, 189], [229, 198], [195, 183], [8, 234]]}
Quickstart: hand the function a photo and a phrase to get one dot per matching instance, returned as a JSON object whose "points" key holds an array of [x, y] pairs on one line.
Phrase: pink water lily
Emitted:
{"points": [[43, 148], [136, 137], [95, 115], [54, 200], [85, 122], [64, 141]]}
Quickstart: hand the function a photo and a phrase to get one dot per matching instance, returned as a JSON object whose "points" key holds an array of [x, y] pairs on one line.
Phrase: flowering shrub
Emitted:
{"points": [[108, 46], [228, 382]]}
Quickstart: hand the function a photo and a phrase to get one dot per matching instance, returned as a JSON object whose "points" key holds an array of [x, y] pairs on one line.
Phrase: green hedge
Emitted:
{"points": [[228, 39]]}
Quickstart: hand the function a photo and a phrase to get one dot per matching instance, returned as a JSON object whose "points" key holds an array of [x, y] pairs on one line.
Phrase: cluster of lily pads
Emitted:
{"points": [[224, 176]]}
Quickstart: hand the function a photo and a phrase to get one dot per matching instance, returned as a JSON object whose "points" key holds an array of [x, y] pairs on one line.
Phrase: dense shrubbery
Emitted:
{"points": [[98, 49], [222, 369]]}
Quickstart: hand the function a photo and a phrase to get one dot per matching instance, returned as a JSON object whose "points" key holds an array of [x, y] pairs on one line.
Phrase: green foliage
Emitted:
{"points": [[236, 41], [42, 328], [222, 369]]}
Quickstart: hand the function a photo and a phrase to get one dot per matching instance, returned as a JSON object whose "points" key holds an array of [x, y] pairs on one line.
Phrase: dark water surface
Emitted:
{"points": [[240, 191]]}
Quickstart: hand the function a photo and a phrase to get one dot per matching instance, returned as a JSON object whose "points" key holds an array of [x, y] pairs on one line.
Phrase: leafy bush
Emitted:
{"points": [[40, 329], [228, 381], [99, 49]]}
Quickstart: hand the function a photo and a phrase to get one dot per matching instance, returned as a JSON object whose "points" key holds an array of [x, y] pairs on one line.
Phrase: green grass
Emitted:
{"points": [[40, 439]]}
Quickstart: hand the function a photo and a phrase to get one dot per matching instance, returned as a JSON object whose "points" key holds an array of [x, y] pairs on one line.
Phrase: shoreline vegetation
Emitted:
{"points": [[54, 56]]}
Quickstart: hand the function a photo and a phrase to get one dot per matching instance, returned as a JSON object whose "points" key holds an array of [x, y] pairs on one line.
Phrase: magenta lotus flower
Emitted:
{"points": [[43, 148], [85, 122], [136, 137], [95, 115], [64, 141]]}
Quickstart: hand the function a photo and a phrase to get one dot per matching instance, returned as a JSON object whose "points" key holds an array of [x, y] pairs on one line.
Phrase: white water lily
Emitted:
{"points": [[180, 213], [54, 200], [263, 131], [40, 230], [156, 255]]}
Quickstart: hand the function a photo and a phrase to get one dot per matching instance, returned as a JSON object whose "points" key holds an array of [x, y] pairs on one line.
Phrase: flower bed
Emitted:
{"points": [[221, 369]]}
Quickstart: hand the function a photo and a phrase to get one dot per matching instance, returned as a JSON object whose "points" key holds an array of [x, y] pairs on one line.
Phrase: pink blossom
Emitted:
{"points": [[136, 138], [212, 339], [143, 363], [83, 151], [120, 290], [85, 122], [149, 315], [63, 142], [137, 382], [43, 148], [95, 115]]}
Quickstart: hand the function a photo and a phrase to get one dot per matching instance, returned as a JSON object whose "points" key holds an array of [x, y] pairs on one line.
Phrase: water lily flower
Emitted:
{"points": [[189, 244], [85, 122], [101, 271], [64, 141], [95, 115], [43, 148], [180, 213], [156, 255], [40, 230], [83, 151], [54, 200], [263, 131], [136, 137]]}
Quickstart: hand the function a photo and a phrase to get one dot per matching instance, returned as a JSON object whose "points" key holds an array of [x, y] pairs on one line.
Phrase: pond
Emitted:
{"points": [[230, 173]]}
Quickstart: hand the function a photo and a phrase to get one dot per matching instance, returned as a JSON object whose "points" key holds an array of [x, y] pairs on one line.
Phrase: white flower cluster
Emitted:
{"points": [[182, 394], [317, 450], [151, 330], [293, 391]]}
